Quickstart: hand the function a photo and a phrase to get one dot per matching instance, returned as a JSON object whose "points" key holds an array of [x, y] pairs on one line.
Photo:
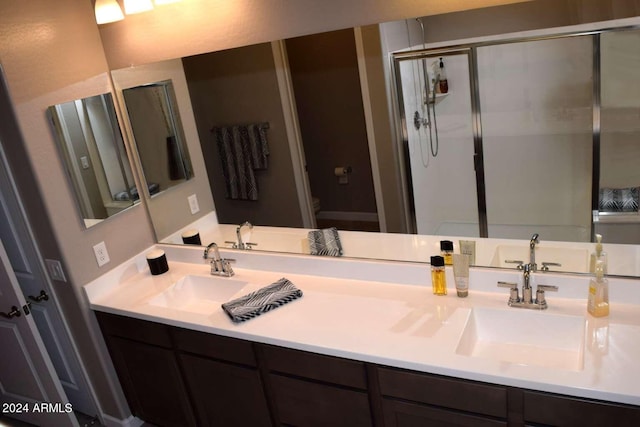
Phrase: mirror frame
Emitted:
{"points": [[59, 130]]}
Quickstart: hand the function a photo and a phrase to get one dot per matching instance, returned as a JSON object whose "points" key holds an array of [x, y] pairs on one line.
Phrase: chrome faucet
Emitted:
{"points": [[532, 252], [527, 301], [239, 244], [219, 266]]}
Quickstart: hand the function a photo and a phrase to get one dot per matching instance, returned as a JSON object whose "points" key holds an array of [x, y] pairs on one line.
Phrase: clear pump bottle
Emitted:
{"points": [[598, 300]]}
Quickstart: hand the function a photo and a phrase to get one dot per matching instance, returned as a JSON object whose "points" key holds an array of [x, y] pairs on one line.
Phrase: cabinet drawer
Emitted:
{"points": [[303, 403], [329, 369], [551, 409], [134, 329], [403, 414], [214, 346], [442, 391]]}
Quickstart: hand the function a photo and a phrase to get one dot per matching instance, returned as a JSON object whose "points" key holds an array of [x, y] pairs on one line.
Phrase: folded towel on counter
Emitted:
{"points": [[325, 242], [262, 300]]}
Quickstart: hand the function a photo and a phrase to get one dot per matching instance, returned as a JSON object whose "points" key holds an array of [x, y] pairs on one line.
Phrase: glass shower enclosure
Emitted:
{"points": [[509, 150]]}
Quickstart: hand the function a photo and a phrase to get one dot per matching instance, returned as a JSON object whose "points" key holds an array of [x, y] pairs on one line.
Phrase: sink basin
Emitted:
{"points": [[198, 294], [571, 259], [524, 337]]}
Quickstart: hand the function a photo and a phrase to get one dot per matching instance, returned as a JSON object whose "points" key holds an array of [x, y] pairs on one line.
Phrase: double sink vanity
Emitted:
{"points": [[367, 344]]}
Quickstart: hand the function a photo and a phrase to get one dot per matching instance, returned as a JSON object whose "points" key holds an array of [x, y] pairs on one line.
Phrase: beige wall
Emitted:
{"points": [[326, 83], [235, 87], [198, 26]]}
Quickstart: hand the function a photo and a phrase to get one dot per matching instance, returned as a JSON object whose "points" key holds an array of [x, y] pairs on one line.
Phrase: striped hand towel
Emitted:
{"points": [[325, 242], [262, 300]]}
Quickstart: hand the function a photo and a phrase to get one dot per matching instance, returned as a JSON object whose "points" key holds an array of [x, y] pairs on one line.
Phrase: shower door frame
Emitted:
{"points": [[476, 124], [471, 50]]}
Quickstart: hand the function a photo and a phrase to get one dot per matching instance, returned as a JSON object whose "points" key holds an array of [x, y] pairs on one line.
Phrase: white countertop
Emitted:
{"points": [[385, 313]]}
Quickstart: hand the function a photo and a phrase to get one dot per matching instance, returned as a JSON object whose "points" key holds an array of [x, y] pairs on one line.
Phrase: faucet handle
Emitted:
{"points": [[540, 300], [545, 265], [514, 295], [515, 261], [250, 245], [234, 245]]}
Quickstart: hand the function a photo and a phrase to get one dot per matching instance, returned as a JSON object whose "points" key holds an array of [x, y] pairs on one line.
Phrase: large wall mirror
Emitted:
{"points": [[93, 152], [511, 149]]}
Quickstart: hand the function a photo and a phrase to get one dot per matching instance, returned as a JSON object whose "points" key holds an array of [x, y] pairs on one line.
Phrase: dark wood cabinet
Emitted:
{"points": [[222, 377], [315, 390], [225, 394], [178, 377], [404, 414], [148, 370], [413, 399], [556, 410]]}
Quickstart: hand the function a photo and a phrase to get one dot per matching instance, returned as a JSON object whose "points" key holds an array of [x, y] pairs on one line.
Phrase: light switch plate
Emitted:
{"points": [[102, 256], [193, 204], [84, 161], [55, 270]]}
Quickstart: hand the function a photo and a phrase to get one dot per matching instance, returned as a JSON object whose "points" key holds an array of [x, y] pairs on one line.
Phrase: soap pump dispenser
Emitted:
{"points": [[598, 255], [598, 300], [443, 85]]}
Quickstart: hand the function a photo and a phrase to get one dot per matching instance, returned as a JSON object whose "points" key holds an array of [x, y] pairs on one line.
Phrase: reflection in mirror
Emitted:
{"points": [[91, 146], [543, 100], [158, 134]]}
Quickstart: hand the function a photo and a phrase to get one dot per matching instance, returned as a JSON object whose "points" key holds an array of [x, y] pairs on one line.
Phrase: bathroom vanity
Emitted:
{"points": [[367, 344]]}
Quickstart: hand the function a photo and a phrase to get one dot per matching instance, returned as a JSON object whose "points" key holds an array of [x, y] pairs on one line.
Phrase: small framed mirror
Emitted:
{"points": [[158, 134], [93, 151]]}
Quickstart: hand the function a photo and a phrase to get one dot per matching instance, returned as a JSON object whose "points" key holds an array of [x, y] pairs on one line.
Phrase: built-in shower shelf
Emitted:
{"points": [[439, 97]]}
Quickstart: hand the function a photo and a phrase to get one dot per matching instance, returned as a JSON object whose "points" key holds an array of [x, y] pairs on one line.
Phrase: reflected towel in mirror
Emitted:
{"points": [[262, 300], [325, 242], [243, 150]]}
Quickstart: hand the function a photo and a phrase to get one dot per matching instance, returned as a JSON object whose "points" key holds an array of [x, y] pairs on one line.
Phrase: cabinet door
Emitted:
{"points": [[151, 380], [225, 394], [550, 409], [305, 403], [402, 414]]}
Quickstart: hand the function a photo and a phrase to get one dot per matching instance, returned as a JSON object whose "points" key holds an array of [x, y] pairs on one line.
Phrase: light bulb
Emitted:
{"points": [[108, 11], [137, 6]]}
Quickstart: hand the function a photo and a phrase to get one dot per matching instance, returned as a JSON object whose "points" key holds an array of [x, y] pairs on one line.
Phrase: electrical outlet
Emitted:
{"points": [[55, 270], [102, 256], [193, 204]]}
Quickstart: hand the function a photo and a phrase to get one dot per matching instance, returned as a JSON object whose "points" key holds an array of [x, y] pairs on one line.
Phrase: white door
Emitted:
{"points": [[29, 389], [26, 263]]}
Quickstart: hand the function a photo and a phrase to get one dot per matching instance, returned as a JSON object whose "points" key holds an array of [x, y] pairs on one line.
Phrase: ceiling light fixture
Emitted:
{"points": [[108, 11], [137, 6]]}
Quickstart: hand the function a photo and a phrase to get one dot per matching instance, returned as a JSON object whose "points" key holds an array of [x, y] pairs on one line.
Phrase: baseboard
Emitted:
{"points": [[348, 216], [131, 421]]}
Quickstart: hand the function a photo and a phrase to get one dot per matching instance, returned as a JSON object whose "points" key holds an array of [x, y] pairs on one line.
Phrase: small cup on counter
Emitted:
{"points": [[157, 261], [191, 237]]}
